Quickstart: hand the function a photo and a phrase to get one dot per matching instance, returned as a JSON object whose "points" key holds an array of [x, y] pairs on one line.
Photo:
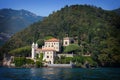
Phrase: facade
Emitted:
{"points": [[49, 50], [67, 41], [52, 43], [49, 55]]}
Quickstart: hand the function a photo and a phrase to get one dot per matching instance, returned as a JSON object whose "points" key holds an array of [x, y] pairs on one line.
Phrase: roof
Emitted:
{"points": [[38, 49], [48, 49], [67, 38], [52, 40]]}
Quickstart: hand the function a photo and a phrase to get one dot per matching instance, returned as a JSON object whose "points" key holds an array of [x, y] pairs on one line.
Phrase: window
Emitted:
{"points": [[66, 42], [52, 46], [47, 56], [51, 52]]}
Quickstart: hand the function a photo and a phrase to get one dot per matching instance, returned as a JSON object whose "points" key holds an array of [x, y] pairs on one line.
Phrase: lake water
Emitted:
{"points": [[59, 74]]}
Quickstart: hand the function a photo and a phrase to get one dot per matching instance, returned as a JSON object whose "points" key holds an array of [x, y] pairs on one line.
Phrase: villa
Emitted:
{"points": [[50, 49]]}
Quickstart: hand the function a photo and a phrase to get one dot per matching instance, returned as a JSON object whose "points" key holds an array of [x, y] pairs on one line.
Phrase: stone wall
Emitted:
{"points": [[60, 65], [66, 55]]}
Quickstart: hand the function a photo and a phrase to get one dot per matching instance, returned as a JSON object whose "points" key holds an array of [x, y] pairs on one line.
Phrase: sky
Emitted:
{"points": [[46, 7]]}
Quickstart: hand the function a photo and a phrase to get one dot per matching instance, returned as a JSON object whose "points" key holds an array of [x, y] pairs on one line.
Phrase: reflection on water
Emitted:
{"points": [[59, 74]]}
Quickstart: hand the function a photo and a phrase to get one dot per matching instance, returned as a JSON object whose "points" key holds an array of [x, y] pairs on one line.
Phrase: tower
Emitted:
{"points": [[33, 51], [36, 46], [67, 41]]}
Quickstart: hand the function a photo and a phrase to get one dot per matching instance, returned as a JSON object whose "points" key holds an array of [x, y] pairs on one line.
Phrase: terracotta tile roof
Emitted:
{"points": [[48, 49], [52, 40], [66, 38], [39, 49]]}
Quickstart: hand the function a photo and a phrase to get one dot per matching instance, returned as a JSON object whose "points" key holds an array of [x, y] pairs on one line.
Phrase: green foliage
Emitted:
{"points": [[39, 64], [48, 37], [103, 58], [40, 42], [29, 61], [95, 29], [71, 48], [37, 56], [23, 51], [80, 60], [41, 56], [90, 61], [20, 61], [63, 60]]}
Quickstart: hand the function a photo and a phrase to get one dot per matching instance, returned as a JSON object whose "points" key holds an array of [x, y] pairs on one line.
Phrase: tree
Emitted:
{"points": [[72, 48], [40, 42], [19, 61], [23, 51], [104, 59], [99, 29], [48, 37], [41, 56], [39, 64]]}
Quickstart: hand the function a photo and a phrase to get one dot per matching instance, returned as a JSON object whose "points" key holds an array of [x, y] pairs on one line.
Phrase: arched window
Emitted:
{"points": [[66, 42]]}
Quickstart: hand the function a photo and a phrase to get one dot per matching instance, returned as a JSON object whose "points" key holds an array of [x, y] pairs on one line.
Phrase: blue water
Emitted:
{"points": [[59, 74]]}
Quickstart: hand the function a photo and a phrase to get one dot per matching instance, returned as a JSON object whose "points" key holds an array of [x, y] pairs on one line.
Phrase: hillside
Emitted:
{"points": [[12, 21], [117, 11], [97, 30]]}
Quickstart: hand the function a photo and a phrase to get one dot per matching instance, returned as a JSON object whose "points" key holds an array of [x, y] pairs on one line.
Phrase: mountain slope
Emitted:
{"points": [[97, 30], [12, 21], [15, 20], [117, 11]]}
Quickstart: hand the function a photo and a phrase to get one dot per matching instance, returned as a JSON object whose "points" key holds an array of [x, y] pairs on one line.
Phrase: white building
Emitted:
{"points": [[49, 55], [67, 41], [53, 43], [49, 50], [34, 48]]}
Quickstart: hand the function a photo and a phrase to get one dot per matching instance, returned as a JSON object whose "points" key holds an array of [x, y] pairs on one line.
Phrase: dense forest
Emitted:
{"points": [[95, 29]]}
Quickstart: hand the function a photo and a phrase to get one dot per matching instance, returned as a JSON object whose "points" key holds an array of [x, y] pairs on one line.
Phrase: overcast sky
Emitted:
{"points": [[45, 7]]}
